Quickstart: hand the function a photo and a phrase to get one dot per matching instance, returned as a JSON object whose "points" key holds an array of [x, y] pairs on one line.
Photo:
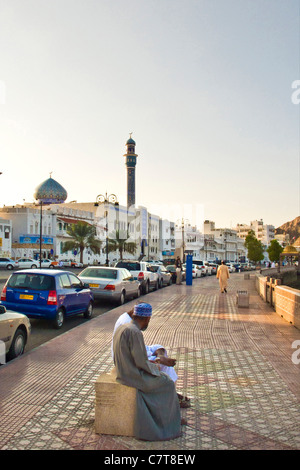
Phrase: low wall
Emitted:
{"points": [[285, 300]]}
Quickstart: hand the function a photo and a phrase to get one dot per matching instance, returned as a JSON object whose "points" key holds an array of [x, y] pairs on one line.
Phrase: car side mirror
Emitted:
{"points": [[2, 309]]}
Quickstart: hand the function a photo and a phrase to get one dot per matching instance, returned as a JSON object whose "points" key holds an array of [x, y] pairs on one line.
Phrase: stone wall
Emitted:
{"points": [[285, 300]]}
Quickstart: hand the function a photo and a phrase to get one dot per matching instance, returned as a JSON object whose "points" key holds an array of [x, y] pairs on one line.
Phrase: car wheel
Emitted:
{"points": [[170, 281], [89, 311], [161, 284], [122, 298], [156, 285], [18, 344], [146, 288], [34, 266], [9, 266], [51, 266], [59, 319]]}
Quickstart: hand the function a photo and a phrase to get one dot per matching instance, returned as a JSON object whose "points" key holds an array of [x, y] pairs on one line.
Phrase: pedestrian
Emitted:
{"points": [[178, 266], [157, 414], [223, 276]]}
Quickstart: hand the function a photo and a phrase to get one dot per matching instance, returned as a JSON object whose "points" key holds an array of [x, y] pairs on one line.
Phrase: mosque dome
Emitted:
{"points": [[290, 250], [50, 192], [130, 141]]}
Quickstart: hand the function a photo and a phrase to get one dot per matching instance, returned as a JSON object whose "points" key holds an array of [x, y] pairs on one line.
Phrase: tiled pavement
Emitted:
{"points": [[234, 363]]}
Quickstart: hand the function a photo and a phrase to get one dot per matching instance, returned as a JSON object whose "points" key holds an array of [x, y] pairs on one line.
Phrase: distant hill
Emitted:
{"points": [[292, 228]]}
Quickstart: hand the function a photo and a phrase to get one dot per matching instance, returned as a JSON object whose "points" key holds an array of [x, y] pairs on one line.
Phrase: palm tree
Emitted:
{"points": [[83, 235], [119, 240]]}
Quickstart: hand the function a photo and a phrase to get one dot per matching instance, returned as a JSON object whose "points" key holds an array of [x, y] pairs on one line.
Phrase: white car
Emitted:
{"points": [[230, 267], [15, 329], [196, 270], [28, 263]]}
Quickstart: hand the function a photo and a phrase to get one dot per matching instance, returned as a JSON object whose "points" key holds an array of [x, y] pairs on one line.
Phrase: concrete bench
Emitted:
{"points": [[115, 406], [242, 298]]}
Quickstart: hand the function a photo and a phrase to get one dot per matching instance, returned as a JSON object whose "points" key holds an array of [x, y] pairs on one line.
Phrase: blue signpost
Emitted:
{"points": [[189, 274]]}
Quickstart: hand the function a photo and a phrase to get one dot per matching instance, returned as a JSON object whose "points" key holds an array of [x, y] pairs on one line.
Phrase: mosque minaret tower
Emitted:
{"points": [[130, 162]]}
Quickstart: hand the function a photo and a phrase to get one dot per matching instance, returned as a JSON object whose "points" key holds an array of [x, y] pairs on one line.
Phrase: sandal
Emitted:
{"points": [[184, 402]]}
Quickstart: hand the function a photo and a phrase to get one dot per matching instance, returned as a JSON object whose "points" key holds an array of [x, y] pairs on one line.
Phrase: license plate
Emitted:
{"points": [[27, 297], [94, 285]]}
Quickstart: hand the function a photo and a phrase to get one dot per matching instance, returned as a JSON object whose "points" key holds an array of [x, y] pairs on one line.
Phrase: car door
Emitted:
{"points": [[68, 293], [129, 282], [81, 297], [6, 331]]}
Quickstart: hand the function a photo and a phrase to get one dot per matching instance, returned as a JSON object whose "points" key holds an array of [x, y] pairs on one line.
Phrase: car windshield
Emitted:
{"points": [[131, 266], [152, 268], [31, 281], [171, 268], [100, 272]]}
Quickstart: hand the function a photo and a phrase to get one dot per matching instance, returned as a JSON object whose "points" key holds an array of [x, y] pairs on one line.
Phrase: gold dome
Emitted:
{"points": [[290, 250]]}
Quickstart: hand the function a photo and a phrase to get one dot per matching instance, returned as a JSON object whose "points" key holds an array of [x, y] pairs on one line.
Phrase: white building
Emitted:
{"points": [[5, 237]]}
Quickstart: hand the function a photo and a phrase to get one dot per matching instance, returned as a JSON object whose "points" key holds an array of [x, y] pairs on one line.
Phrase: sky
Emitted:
{"points": [[210, 90]]}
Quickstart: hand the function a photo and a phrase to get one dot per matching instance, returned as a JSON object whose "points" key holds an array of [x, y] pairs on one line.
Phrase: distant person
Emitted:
{"points": [[157, 414], [178, 266], [223, 276]]}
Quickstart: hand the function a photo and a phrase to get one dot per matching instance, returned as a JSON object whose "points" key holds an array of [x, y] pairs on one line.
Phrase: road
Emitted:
{"points": [[42, 330]]}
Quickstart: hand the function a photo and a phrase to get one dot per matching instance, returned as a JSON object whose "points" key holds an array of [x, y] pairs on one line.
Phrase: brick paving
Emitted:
{"points": [[234, 363]]}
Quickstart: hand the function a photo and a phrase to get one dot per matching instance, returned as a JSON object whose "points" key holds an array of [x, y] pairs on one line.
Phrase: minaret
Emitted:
{"points": [[130, 162]]}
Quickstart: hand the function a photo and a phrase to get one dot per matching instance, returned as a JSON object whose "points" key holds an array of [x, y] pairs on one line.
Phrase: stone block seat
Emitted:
{"points": [[115, 406]]}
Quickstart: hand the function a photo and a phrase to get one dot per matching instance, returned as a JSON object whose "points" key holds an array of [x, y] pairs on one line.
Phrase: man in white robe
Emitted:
{"points": [[223, 276], [157, 408], [154, 351]]}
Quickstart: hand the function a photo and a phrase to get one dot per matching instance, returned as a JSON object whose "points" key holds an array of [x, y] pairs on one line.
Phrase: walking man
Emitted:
{"points": [[223, 276]]}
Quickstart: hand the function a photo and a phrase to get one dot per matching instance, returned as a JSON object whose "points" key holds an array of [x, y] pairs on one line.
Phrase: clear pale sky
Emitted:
{"points": [[204, 85]]}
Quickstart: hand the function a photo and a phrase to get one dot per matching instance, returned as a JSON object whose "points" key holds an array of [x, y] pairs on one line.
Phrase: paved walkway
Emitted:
{"points": [[235, 364]]}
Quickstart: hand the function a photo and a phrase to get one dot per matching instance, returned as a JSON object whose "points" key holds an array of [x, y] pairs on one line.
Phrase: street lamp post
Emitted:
{"points": [[101, 199], [182, 222]]}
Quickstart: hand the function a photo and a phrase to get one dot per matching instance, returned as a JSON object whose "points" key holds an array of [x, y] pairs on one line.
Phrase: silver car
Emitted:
{"points": [[8, 263], [115, 284], [15, 329]]}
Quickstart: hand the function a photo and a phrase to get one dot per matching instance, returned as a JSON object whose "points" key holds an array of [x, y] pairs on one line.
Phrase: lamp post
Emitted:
{"points": [[182, 222], [101, 199]]}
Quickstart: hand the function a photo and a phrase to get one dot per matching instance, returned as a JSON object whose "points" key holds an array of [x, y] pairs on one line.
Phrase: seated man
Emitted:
{"points": [[158, 412], [156, 353]]}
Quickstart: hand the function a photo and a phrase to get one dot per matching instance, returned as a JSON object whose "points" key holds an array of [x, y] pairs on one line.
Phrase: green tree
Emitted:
{"points": [[120, 241], [83, 235], [274, 250], [254, 247]]}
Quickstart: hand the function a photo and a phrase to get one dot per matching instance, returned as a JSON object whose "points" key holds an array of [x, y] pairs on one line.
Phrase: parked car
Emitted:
{"points": [[66, 263], [15, 329], [202, 265], [171, 268], [139, 271], [76, 264], [115, 284], [8, 263], [196, 271], [214, 268], [53, 295], [28, 263], [46, 263], [164, 276], [230, 267]]}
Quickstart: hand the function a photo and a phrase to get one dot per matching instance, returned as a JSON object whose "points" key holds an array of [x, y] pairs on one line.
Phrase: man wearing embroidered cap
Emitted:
{"points": [[157, 409]]}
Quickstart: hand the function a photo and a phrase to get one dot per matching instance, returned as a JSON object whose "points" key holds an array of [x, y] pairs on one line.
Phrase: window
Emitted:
{"points": [[64, 281], [75, 282]]}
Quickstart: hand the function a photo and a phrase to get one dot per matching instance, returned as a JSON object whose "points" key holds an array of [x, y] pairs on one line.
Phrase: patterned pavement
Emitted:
{"points": [[234, 363]]}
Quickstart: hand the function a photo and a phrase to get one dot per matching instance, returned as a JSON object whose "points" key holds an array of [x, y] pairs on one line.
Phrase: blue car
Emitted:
{"points": [[53, 295]]}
